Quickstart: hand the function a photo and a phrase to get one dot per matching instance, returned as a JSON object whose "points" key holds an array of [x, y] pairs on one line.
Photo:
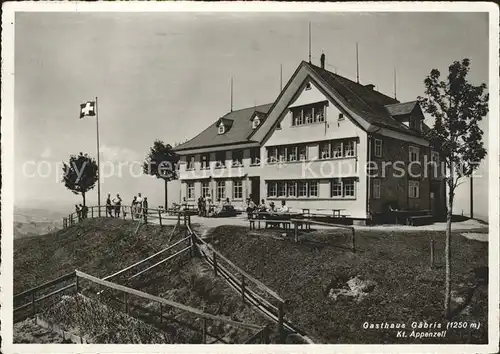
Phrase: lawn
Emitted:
{"points": [[407, 290]]}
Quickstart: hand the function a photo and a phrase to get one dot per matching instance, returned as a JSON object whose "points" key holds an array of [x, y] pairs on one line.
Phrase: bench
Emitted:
{"points": [[418, 220]]}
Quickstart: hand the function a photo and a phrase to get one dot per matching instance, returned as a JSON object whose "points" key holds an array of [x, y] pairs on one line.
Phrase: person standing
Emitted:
{"points": [[133, 207], [117, 201], [78, 212], [109, 207], [83, 211], [145, 209], [138, 204]]}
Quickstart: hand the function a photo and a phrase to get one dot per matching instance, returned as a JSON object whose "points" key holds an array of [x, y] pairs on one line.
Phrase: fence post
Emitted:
{"points": [[280, 323], [204, 331], [161, 312], [215, 263], [243, 288], [296, 232], [159, 216], [33, 302], [432, 253], [353, 240], [125, 300], [265, 335], [77, 284], [92, 212]]}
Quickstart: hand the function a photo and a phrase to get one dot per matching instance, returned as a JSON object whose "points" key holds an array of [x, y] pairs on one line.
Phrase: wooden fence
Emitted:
{"points": [[126, 213], [247, 286], [298, 222], [206, 317]]}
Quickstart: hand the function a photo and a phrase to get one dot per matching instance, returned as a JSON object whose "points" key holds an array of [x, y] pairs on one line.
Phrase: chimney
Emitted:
{"points": [[370, 86], [322, 60]]}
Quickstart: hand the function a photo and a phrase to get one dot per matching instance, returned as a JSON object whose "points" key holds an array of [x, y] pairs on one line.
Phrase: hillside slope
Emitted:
{"points": [[97, 246]]}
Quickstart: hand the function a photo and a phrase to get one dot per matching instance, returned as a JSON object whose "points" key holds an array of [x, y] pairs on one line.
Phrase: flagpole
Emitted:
{"points": [[98, 163]]}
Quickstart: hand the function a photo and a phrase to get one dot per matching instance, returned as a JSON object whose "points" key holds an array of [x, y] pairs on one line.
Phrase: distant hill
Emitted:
{"points": [[36, 221]]}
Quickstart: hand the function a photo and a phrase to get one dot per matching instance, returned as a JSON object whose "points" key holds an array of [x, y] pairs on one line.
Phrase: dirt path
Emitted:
{"points": [[204, 225]]}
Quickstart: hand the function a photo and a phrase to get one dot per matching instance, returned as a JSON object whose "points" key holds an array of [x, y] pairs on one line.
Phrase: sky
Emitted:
{"points": [[167, 76]]}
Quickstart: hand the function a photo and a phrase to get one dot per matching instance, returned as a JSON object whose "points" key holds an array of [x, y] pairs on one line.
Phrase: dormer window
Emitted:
{"points": [[255, 122], [415, 124], [308, 86], [222, 128]]}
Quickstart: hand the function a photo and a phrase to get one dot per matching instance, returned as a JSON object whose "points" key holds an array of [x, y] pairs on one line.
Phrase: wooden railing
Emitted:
{"points": [[261, 331], [21, 312], [242, 283], [127, 212]]}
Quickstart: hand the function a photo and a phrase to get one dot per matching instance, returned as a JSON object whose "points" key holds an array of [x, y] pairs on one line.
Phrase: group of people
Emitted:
{"points": [[138, 206], [252, 207], [207, 208]]}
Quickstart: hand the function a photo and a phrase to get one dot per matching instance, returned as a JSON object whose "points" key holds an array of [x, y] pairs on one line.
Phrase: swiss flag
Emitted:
{"points": [[87, 109]]}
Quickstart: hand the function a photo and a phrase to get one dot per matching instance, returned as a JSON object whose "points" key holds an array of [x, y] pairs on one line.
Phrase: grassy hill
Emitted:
{"points": [[97, 246], [103, 246], [407, 290]]}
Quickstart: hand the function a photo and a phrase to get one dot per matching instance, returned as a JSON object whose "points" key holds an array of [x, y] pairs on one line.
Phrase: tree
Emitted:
{"points": [[457, 107], [80, 174], [161, 162]]}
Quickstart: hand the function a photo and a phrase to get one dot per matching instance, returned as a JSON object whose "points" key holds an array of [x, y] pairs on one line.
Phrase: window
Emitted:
{"points": [[190, 162], [376, 189], [255, 156], [297, 117], [237, 189], [292, 189], [205, 161], [349, 188], [220, 157], [190, 190], [341, 116], [337, 148], [319, 113], [221, 190], [281, 153], [292, 153], [308, 86], [272, 154], [414, 151], [278, 126], [324, 149], [310, 114], [336, 188], [303, 152], [414, 189], [415, 123], [205, 188], [378, 148], [222, 129], [256, 122], [435, 157], [349, 149], [272, 189], [302, 189], [313, 188], [281, 189], [237, 156]]}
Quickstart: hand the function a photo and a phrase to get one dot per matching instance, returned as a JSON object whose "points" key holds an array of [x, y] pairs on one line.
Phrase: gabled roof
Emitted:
{"points": [[239, 133], [367, 102], [400, 109]]}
